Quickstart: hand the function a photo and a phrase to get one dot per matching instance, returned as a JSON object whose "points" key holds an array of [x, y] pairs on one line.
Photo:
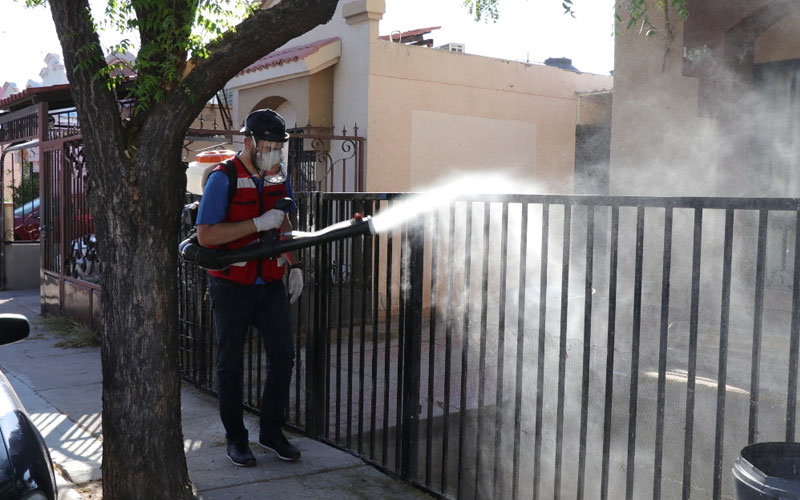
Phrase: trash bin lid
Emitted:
{"points": [[771, 469]]}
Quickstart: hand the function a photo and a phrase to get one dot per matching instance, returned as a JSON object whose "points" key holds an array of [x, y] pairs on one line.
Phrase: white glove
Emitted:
{"points": [[295, 285], [271, 219]]}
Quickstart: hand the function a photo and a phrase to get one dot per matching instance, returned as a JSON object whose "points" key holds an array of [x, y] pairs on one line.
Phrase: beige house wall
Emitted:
{"points": [[429, 114], [347, 78], [595, 108], [659, 144], [781, 42], [436, 114], [320, 97], [296, 91]]}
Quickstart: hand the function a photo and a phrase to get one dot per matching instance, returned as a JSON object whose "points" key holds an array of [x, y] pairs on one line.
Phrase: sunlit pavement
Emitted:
{"points": [[62, 391]]}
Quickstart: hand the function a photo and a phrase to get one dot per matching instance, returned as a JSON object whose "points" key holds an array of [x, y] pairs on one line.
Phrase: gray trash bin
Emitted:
{"points": [[768, 471]]}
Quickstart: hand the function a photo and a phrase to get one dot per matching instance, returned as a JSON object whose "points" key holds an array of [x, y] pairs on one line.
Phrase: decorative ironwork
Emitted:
{"points": [[24, 127], [69, 242], [312, 164], [74, 155], [302, 166], [318, 168], [63, 124], [83, 261]]}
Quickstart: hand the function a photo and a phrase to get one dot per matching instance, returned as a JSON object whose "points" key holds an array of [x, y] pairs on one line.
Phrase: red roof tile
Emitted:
{"points": [[405, 34], [291, 54]]}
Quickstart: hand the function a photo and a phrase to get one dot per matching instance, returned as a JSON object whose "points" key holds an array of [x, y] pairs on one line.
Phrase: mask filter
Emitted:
{"points": [[272, 165], [278, 176]]}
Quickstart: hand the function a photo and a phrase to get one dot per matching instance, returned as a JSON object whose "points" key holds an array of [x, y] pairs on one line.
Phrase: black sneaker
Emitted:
{"points": [[277, 443], [240, 454]]}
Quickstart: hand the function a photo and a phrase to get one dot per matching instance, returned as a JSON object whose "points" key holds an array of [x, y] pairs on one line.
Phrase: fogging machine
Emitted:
{"points": [[270, 244]]}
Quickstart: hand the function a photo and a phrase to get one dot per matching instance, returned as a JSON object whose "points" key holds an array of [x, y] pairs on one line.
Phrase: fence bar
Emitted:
{"points": [[361, 164], [63, 208], [462, 422], [635, 337], [666, 269], [376, 245], [388, 345], [692, 364], [501, 334], [791, 393], [722, 371], [412, 348], [300, 320], [338, 273], [350, 333], [432, 347], [327, 278], [401, 332], [344, 175], [610, 343], [448, 344], [587, 348], [523, 252], [562, 349], [758, 312], [322, 339], [482, 351], [365, 258], [537, 450]]}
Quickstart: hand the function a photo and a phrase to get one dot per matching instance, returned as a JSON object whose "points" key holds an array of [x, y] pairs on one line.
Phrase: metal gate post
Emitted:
{"points": [[415, 241], [317, 338]]}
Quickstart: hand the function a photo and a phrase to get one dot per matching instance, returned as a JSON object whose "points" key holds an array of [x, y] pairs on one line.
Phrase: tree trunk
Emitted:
{"points": [[142, 439], [136, 187], [135, 191]]}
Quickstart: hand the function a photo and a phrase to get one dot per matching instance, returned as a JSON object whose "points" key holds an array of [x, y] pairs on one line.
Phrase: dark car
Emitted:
{"points": [[26, 471], [26, 221]]}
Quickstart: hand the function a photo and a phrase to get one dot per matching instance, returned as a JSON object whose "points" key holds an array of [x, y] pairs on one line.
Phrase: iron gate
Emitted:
{"points": [[531, 346], [19, 184], [70, 262]]}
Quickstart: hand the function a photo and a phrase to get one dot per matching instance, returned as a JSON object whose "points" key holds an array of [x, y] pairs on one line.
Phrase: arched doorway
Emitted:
{"points": [[282, 106]]}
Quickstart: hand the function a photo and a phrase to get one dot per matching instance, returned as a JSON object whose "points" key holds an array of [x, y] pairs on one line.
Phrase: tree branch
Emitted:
{"points": [[256, 36], [164, 30], [95, 102]]}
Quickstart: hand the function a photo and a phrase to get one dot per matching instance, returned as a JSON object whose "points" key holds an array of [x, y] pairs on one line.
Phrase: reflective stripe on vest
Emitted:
{"points": [[247, 205]]}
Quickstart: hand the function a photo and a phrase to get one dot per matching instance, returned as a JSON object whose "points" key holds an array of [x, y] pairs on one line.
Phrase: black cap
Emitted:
{"points": [[265, 125]]}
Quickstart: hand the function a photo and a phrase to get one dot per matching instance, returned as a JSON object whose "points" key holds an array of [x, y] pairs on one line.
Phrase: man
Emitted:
{"points": [[252, 292]]}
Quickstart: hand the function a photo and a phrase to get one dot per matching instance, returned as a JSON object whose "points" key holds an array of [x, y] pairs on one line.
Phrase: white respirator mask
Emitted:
{"points": [[271, 163]]}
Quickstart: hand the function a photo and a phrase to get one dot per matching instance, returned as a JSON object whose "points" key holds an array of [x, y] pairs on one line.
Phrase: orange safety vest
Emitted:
{"points": [[246, 204]]}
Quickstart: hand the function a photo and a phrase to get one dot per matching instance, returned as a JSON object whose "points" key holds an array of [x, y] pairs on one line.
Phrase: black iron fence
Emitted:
{"points": [[319, 158], [541, 346]]}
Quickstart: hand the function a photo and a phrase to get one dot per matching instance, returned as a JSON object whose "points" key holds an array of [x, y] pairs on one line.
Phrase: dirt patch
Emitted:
{"points": [[91, 491]]}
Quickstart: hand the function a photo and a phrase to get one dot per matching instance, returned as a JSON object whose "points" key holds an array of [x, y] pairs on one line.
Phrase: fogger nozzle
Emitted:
{"points": [[219, 258]]}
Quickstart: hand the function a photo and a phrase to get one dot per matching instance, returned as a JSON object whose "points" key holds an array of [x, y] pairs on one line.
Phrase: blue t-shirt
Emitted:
{"points": [[214, 203]]}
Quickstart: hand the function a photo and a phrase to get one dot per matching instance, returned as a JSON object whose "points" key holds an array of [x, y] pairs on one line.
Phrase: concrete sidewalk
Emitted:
{"points": [[61, 389]]}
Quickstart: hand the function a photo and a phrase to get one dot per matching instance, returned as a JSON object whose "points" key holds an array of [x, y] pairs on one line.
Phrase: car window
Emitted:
{"points": [[27, 208]]}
